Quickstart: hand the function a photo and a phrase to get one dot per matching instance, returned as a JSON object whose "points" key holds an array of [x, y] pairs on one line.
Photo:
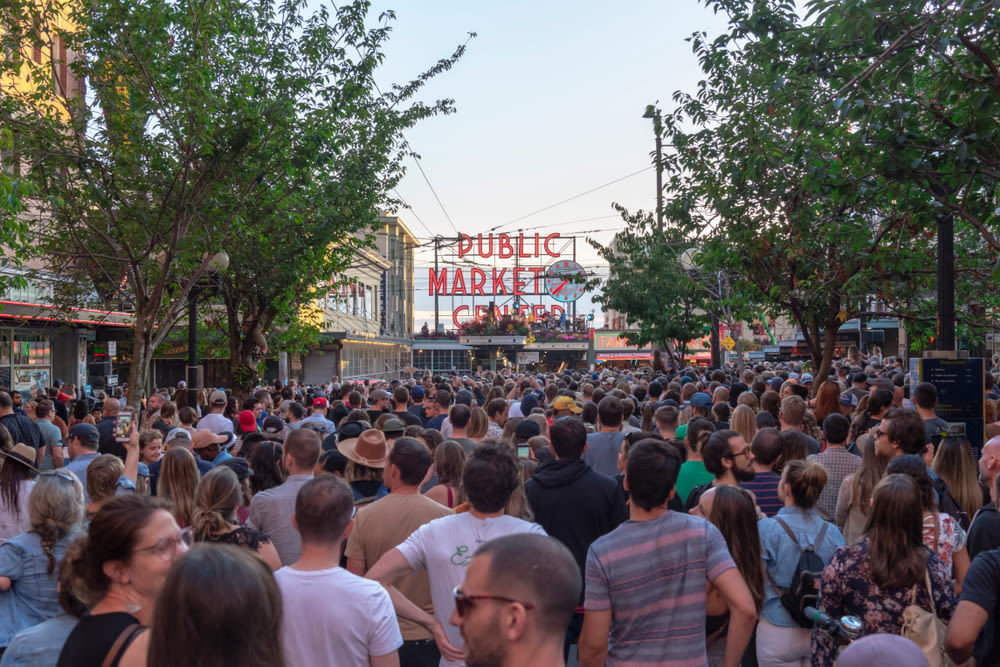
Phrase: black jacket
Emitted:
{"points": [[22, 429], [575, 504]]}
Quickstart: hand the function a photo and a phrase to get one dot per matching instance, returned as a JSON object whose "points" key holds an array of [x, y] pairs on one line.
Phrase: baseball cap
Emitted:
{"points": [[238, 466], [85, 431], [528, 403], [217, 397], [566, 403], [182, 385], [701, 400], [273, 424], [775, 383], [526, 429], [248, 423], [351, 430], [849, 399], [320, 402], [417, 393], [807, 377], [176, 433], [393, 425]]}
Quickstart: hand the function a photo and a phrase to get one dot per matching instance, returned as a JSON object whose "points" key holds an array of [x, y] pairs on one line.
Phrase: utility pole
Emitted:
{"points": [[946, 282], [653, 112], [437, 311]]}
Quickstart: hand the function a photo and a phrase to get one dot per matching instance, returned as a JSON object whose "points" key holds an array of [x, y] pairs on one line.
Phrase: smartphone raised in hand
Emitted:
{"points": [[123, 425]]}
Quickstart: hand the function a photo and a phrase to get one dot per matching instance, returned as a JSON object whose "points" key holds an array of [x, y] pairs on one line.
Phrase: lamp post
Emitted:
{"points": [[214, 265], [653, 113]]}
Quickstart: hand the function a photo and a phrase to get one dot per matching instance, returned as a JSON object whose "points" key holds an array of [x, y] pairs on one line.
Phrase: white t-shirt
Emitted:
{"points": [[444, 548], [216, 422], [333, 617]]}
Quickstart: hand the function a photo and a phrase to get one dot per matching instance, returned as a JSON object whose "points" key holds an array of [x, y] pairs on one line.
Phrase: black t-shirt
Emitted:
{"points": [[408, 418], [89, 642], [984, 534], [982, 587]]}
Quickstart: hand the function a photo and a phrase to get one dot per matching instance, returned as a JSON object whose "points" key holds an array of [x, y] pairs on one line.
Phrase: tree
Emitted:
{"points": [[650, 287], [791, 208], [186, 133]]}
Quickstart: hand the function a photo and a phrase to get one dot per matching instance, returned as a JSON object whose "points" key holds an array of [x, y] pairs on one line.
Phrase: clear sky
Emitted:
{"points": [[549, 99]]}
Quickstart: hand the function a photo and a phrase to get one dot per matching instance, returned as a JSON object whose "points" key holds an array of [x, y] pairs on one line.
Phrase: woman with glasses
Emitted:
{"points": [[216, 501], [132, 543], [780, 638], [28, 561]]}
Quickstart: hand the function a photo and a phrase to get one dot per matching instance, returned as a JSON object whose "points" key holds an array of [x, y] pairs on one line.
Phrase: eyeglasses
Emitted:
{"points": [[879, 433], [463, 602], [745, 452], [167, 547]]}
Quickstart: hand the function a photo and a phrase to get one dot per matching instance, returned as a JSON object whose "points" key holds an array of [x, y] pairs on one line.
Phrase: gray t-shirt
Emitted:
{"points": [[936, 428], [602, 451]]}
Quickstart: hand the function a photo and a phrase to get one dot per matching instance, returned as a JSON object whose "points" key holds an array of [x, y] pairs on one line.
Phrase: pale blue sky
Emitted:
{"points": [[549, 100]]}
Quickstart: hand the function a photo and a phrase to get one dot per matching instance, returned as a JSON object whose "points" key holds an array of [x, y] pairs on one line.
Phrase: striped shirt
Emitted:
{"points": [[764, 487], [651, 575]]}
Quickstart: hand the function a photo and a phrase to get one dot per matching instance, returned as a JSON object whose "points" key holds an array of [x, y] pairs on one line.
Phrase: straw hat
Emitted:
{"points": [[23, 454], [368, 449]]}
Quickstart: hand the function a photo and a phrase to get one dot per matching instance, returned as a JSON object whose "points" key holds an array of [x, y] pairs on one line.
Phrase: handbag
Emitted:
{"points": [[925, 629]]}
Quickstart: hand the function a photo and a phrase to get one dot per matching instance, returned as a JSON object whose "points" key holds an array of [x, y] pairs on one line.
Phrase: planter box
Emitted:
{"points": [[492, 340]]}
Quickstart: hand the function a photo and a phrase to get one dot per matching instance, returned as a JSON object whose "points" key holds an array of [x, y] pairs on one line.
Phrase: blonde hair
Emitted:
{"points": [[103, 474], [218, 495], [178, 482], [479, 424], [55, 508], [744, 422]]}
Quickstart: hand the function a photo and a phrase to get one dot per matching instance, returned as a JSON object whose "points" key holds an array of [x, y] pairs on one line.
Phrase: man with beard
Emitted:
{"points": [[513, 612], [727, 456]]}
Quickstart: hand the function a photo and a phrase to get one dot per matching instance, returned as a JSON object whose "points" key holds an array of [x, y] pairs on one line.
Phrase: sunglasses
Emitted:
{"points": [[463, 602]]}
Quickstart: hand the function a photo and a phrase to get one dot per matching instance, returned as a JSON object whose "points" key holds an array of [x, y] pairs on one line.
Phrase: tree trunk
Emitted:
{"points": [[142, 355], [829, 344]]}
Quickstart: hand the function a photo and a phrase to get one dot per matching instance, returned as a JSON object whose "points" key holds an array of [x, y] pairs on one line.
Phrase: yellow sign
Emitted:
{"points": [[728, 343]]}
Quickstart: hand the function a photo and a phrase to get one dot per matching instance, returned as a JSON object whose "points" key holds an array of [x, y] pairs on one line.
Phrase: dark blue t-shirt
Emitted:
{"points": [[765, 487]]}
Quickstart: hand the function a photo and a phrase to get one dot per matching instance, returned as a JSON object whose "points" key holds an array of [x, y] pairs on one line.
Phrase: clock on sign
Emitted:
{"points": [[565, 281]]}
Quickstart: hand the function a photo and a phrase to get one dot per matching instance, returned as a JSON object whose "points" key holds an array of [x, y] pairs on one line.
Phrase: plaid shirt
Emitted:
{"points": [[839, 463]]}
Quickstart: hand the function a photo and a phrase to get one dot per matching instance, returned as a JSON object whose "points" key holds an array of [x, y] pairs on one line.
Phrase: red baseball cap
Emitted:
{"points": [[320, 402], [248, 423]]}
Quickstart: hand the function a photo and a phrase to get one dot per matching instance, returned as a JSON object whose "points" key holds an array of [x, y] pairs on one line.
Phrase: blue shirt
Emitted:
{"points": [[32, 597], [781, 555], [40, 644], [224, 455]]}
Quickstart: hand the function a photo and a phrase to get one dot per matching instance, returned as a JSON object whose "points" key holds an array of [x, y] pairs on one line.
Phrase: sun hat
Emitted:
{"points": [[23, 454], [369, 449]]}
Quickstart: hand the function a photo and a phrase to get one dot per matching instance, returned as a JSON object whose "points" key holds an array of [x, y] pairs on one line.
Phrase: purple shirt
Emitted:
{"points": [[652, 575]]}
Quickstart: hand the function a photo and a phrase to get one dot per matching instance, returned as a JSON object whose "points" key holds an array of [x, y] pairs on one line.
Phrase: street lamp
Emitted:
{"points": [[214, 265], [653, 113]]}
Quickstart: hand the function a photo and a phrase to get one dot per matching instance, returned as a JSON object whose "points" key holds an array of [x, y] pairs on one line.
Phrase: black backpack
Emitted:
{"points": [[804, 591]]}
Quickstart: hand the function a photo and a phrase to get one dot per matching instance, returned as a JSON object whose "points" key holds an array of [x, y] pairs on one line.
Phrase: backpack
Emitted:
{"points": [[948, 504], [804, 591]]}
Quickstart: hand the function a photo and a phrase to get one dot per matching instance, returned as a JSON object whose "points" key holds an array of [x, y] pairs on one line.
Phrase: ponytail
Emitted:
{"points": [[805, 480]]}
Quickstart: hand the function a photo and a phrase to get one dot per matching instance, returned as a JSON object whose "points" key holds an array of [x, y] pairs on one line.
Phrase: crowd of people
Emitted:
{"points": [[624, 517]]}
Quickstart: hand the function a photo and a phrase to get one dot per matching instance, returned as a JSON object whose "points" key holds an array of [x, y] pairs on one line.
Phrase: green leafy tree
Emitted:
{"points": [[648, 284], [793, 210], [183, 148]]}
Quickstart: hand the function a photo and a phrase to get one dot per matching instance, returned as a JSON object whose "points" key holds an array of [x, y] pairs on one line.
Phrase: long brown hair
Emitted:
{"points": [[219, 494], [225, 606], [178, 482], [868, 475], [955, 463], [734, 513], [897, 555], [827, 400]]}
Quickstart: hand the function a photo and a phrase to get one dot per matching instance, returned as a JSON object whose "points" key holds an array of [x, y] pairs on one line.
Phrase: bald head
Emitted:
{"points": [[111, 407], [989, 465]]}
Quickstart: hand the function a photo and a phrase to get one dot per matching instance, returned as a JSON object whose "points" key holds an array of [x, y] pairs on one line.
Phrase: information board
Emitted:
{"points": [[961, 394]]}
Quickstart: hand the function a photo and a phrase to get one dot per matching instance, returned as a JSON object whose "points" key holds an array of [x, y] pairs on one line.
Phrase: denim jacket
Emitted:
{"points": [[781, 555], [32, 597]]}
